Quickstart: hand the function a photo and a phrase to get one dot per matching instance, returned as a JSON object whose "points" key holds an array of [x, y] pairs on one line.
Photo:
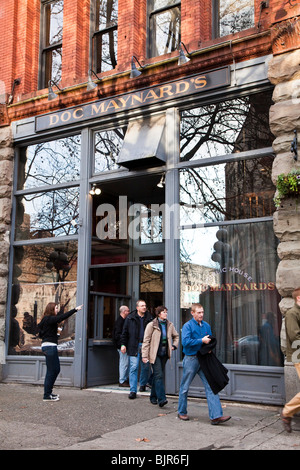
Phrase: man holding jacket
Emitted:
{"points": [[195, 333], [131, 342]]}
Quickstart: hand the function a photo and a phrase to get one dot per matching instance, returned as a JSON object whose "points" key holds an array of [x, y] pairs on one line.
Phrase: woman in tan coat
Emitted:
{"points": [[160, 339]]}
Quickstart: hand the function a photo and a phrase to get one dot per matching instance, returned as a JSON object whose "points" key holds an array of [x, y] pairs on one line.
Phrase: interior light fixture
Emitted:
{"points": [[162, 182], [95, 191], [51, 94], [183, 58], [134, 71], [16, 82], [90, 84]]}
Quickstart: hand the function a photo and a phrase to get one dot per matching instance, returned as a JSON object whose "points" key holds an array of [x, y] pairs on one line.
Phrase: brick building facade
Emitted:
{"points": [[68, 44]]}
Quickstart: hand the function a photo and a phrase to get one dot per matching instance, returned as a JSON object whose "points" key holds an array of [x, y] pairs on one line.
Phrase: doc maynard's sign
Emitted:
{"points": [[140, 98]]}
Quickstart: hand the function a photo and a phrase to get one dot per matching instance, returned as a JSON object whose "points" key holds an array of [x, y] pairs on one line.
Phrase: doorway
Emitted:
{"points": [[127, 264]]}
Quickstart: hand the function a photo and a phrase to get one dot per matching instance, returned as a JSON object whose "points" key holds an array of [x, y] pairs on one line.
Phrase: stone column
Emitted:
{"points": [[6, 172], [284, 73]]}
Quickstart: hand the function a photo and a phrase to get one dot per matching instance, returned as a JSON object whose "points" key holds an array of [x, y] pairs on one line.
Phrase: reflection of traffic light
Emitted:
{"points": [[59, 261], [223, 251]]}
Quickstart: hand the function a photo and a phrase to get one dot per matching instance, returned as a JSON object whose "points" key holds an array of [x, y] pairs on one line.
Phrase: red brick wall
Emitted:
{"points": [[20, 34]]}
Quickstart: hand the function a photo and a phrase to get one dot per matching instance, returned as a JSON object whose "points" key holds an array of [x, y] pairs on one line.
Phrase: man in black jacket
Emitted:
{"points": [[131, 342], [123, 358]]}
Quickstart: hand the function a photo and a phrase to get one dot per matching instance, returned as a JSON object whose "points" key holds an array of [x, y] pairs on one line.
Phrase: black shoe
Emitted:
{"points": [[163, 403], [154, 402], [132, 395], [142, 388]]}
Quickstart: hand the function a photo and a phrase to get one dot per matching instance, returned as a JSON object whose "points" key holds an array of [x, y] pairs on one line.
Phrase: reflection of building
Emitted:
{"points": [[195, 280], [127, 131]]}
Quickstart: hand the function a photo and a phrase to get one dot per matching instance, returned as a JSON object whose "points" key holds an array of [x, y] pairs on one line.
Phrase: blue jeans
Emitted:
{"points": [[134, 362], [158, 385], [191, 367], [123, 367], [53, 368]]}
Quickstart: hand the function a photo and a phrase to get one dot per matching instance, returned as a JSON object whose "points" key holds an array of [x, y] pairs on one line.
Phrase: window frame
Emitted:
{"points": [[151, 12], [97, 38], [46, 70]]}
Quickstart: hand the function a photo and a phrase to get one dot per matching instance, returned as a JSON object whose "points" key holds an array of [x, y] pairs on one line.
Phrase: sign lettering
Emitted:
{"points": [[160, 93]]}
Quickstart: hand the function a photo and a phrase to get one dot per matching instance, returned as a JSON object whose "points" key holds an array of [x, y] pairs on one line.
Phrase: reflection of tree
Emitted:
{"points": [[214, 130], [50, 212], [107, 148], [51, 162]]}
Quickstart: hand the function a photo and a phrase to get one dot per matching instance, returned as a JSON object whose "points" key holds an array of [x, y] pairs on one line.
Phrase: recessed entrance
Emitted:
{"points": [[127, 264]]}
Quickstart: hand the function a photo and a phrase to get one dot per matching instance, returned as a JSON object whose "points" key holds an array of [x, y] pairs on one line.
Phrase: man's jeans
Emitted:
{"points": [[123, 367], [191, 367], [134, 362], [158, 385], [53, 368]]}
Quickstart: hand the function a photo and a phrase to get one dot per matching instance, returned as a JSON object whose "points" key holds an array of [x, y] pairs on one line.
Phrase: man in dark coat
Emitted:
{"points": [[131, 342]]}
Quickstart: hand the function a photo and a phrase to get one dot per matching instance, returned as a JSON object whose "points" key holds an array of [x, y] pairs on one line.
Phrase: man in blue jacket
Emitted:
{"points": [[195, 333]]}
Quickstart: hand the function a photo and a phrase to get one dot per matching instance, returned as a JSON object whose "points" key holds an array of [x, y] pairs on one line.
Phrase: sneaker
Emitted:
{"points": [[132, 395], [51, 398], [54, 395]]}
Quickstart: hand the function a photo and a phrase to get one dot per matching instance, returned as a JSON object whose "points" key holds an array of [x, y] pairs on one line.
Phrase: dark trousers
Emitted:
{"points": [[158, 384], [53, 368]]}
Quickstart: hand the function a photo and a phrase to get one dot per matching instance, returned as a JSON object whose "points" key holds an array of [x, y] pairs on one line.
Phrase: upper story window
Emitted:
{"points": [[234, 16], [164, 26], [51, 41], [105, 39]]}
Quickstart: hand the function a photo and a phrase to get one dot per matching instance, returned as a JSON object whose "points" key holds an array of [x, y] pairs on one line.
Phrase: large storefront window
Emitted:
{"points": [[47, 206], [233, 277], [228, 250], [42, 274]]}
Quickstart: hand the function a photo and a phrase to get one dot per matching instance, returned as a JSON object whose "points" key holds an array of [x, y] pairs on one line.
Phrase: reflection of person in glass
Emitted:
{"points": [[48, 332], [269, 346]]}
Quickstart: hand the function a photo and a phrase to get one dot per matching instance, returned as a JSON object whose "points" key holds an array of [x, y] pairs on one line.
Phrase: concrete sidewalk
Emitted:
{"points": [[104, 418]]}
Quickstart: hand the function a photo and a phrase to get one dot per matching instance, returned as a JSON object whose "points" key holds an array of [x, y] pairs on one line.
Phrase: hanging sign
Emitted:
{"points": [[148, 96]]}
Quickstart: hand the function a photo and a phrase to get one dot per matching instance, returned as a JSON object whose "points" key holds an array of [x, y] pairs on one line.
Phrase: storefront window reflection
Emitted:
{"points": [[47, 214], [227, 127], [233, 276], [229, 191], [107, 147], [50, 163], [42, 274], [235, 16]]}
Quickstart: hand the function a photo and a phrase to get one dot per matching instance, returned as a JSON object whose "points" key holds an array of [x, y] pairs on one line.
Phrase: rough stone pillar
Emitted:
{"points": [[284, 73], [6, 172]]}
